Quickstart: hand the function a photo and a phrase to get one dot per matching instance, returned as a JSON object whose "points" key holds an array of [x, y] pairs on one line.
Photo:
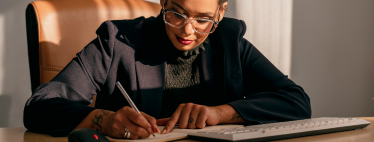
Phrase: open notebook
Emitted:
{"points": [[175, 134]]}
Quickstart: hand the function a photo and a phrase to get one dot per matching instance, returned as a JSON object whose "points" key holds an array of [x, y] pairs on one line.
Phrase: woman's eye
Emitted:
{"points": [[179, 16], [202, 21]]}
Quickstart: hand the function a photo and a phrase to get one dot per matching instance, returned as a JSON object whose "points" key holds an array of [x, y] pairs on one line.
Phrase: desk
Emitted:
{"points": [[364, 135]]}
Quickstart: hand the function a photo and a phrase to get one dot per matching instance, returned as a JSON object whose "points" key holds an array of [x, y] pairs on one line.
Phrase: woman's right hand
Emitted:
{"points": [[139, 125]]}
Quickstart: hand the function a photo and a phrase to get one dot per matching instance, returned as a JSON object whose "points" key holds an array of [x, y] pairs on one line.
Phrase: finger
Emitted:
{"points": [[163, 121], [173, 120], [201, 119], [139, 120], [185, 116], [134, 136], [136, 129], [152, 121], [193, 116]]}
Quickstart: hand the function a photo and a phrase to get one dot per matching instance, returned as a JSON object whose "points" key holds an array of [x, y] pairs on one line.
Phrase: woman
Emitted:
{"points": [[188, 66]]}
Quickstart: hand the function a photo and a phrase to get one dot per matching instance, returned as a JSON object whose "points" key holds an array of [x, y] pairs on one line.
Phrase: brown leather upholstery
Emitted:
{"points": [[58, 29]]}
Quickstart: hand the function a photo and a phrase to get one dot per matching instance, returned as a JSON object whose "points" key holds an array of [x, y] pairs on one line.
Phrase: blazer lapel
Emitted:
{"points": [[150, 72], [213, 69]]}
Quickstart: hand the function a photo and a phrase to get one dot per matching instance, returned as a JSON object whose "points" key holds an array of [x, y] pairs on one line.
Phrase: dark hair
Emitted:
{"points": [[220, 3]]}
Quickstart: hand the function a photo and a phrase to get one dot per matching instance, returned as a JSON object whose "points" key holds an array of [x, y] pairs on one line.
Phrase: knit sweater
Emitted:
{"points": [[182, 78]]}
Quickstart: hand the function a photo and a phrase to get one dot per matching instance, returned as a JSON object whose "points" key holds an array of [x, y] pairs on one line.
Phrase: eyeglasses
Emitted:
{"points": [[178, 20]]}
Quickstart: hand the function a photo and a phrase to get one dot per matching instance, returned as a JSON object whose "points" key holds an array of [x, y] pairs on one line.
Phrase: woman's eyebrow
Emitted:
{"points": [[176, 4], [209, 14]]}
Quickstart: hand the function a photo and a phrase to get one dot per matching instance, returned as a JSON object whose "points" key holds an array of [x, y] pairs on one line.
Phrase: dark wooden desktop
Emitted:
{"points": [[20, 134]]}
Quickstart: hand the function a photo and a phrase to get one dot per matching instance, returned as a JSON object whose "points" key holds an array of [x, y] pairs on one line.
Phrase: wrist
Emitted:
{"points": [[106, 123], [227, 114], [97, 120], [223, 111], [100, 120]]}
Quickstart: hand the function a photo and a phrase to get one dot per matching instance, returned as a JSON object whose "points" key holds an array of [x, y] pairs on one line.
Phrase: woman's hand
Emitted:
{"points": [[139, 125], [191, 116]]}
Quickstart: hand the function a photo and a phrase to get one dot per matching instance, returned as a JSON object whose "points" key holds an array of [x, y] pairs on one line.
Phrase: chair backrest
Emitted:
{"points": [[58, 29]]}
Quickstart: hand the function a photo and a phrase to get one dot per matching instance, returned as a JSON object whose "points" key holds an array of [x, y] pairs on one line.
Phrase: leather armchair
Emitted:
{"points": [[58, 29]]}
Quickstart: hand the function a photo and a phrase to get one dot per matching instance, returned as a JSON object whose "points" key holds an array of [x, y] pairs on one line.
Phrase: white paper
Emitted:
{"points": [[174, 134]]}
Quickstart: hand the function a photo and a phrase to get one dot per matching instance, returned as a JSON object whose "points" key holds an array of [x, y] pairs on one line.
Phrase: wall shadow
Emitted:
{"points": [[332, 55], [231, 9], [16, 80], [4, 110]]}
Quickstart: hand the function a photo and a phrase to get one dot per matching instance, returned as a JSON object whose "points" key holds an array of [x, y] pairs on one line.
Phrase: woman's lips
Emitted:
{"points": [[184, 41]]}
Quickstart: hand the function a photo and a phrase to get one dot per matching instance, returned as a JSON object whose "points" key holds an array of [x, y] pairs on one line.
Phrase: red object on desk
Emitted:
{"points": [[96, 137]]}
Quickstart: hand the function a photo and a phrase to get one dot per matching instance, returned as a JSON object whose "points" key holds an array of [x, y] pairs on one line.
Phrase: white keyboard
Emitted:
{"points": [[282, 130]]}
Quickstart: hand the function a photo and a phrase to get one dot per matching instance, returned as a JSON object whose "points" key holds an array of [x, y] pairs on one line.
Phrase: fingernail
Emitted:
{"points": [[163, 131], [158, 130], [151, 131]]}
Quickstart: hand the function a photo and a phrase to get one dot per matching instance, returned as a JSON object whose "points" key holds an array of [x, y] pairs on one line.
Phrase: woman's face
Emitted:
{"points": [[186, 38]]}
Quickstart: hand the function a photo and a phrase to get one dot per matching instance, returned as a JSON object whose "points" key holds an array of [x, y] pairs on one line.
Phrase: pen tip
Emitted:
{"points": [[154, 135]]}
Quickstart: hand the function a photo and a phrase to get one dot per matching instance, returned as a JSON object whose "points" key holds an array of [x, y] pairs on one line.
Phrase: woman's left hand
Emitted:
{"points": [[191, 116]]}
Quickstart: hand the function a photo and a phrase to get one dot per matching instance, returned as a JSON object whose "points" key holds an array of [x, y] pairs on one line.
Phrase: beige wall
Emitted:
{"points": [[333, 55], [269, 27], [14, 68]]}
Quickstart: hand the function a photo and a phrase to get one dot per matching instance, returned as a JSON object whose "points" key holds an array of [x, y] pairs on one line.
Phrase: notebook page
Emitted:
{"points": [[174, 134]]}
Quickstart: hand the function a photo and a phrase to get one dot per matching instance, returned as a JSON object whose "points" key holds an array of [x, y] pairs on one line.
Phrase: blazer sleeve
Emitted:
{"points": [[58, 106], [269, 95]]}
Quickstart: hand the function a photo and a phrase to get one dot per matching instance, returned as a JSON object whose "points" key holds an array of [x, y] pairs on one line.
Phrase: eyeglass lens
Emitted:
{"points": [[200, 25]]}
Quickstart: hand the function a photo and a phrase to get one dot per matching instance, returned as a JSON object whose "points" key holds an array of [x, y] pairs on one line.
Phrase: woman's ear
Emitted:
{"points": [[223, 9]]}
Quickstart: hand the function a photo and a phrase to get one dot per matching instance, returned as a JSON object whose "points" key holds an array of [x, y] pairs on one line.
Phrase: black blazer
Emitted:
{"points": [[133, 52]]}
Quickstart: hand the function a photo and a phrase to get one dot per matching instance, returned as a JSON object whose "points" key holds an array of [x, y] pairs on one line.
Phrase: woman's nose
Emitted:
{"points": [[188, 29]]}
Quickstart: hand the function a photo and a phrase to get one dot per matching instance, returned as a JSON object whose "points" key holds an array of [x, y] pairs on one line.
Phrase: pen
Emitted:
{"points": [[128, 99]]}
